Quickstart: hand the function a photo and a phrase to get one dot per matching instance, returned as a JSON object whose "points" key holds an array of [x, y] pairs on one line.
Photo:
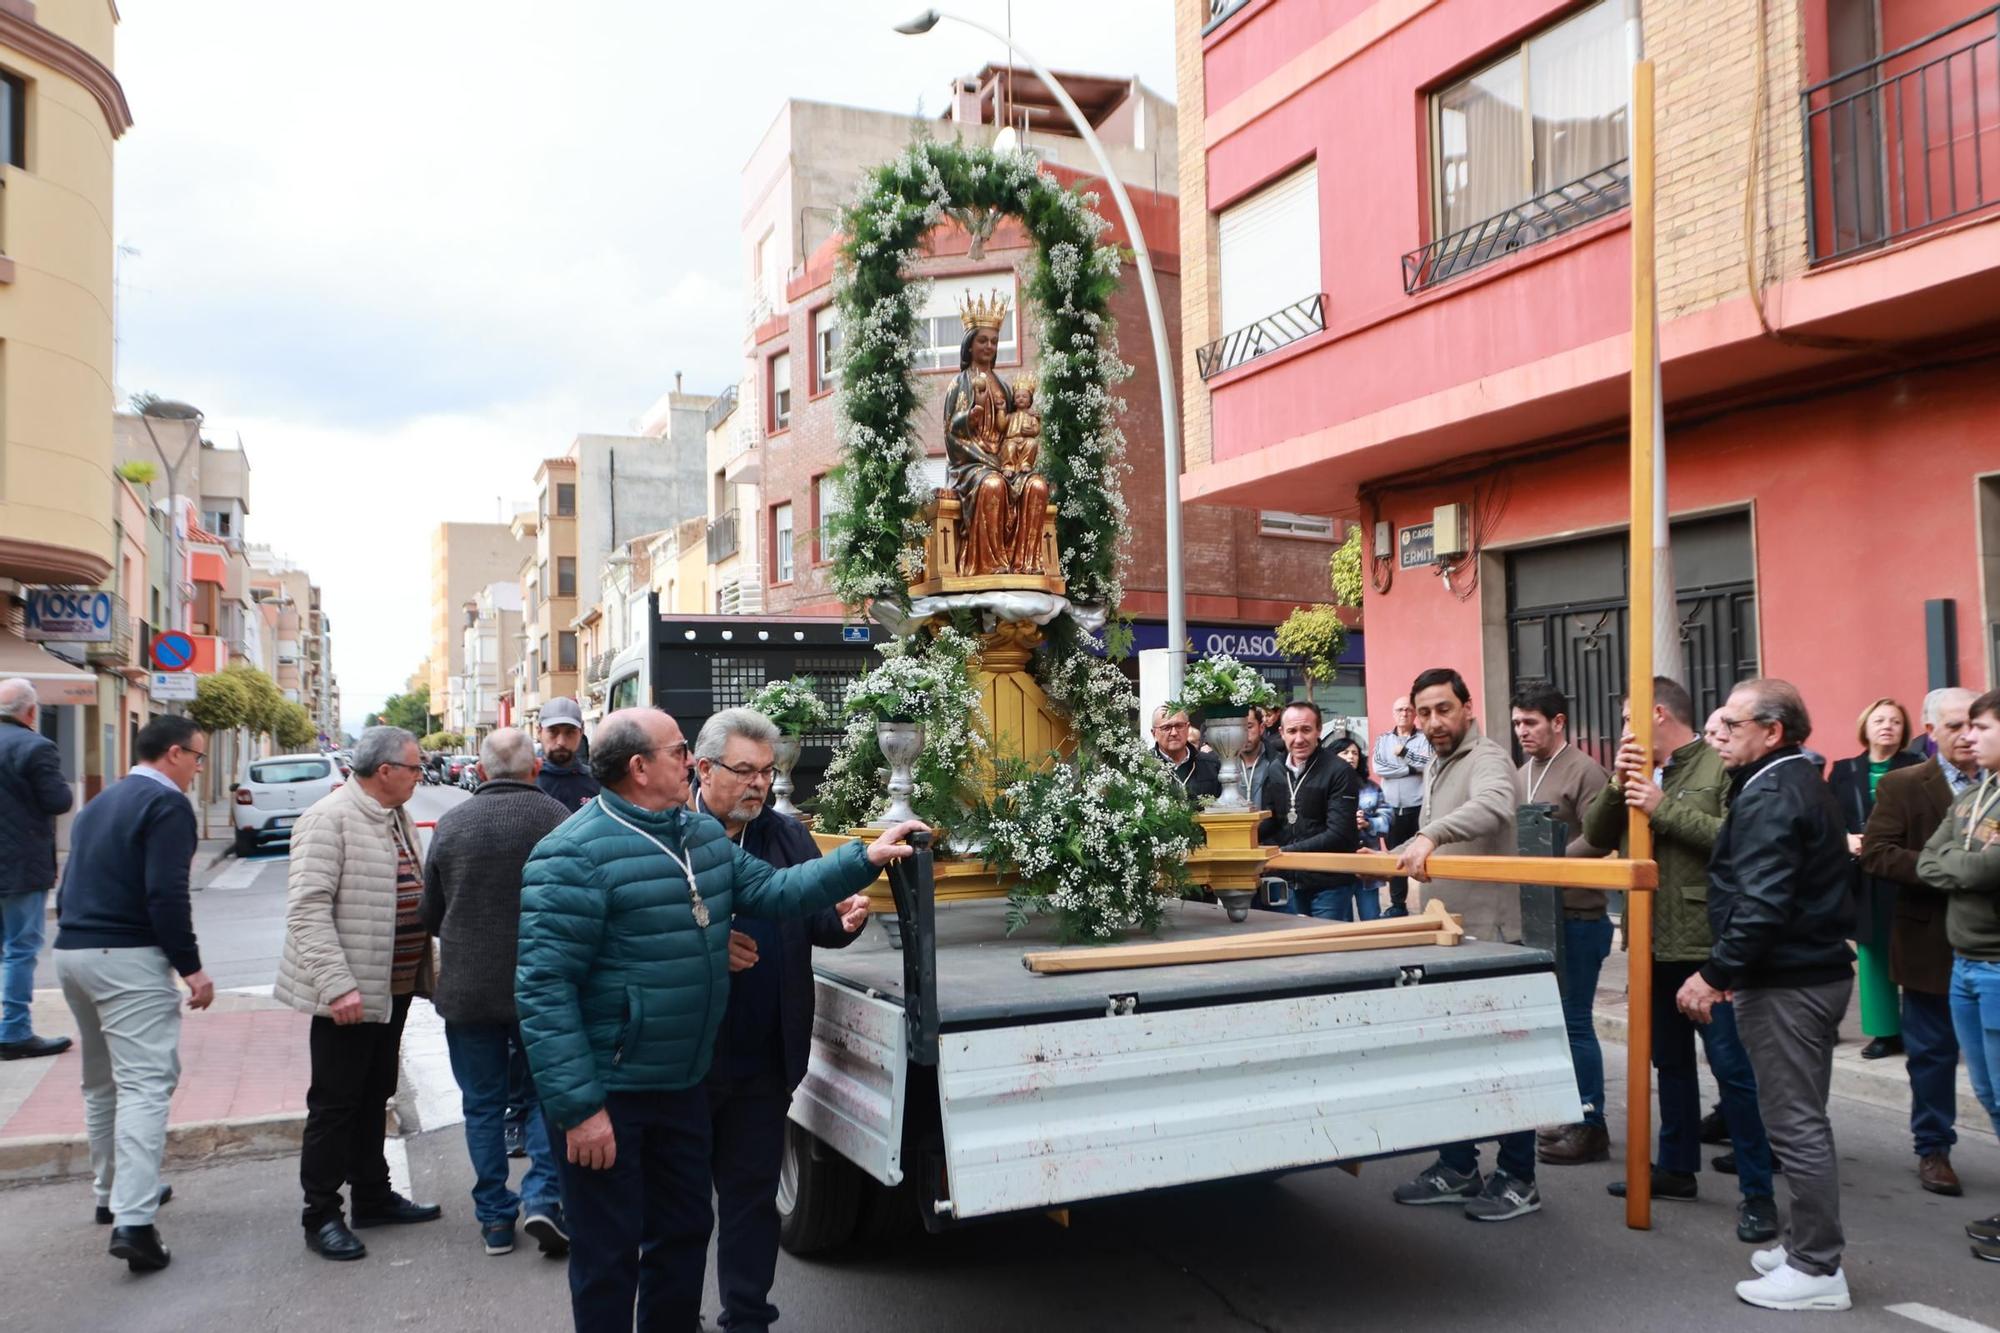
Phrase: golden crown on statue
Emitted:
{"points": [[983, 312]]}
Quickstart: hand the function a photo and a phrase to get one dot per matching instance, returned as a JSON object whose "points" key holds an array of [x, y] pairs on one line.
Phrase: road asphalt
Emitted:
{"points": [[1319, 1250]]}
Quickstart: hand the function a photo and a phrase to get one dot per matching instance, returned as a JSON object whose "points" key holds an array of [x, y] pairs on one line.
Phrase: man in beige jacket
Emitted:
{"points": [[1468, 811], [356, 952]]}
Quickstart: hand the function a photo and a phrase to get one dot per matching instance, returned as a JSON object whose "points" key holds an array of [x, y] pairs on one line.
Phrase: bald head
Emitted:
{"points": [[640, 754], [507, 754], [17, 701]]}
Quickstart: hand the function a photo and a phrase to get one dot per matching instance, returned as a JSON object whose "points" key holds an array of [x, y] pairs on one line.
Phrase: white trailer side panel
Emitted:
{"points": [[853, 1094], [1045, 1114]]}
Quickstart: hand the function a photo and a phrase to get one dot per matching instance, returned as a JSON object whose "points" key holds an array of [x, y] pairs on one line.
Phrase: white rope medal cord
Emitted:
{"points": [[694, 894]]}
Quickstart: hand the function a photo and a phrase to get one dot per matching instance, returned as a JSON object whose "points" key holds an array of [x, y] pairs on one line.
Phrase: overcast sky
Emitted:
{"points": [[406, 249]]}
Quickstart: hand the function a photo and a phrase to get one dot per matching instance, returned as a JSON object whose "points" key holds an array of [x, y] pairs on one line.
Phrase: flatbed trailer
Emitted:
{"points": [[1003, 1091]]}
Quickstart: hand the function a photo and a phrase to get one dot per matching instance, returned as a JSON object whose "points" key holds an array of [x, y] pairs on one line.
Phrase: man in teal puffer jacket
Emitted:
{"points": [[622, 980]]}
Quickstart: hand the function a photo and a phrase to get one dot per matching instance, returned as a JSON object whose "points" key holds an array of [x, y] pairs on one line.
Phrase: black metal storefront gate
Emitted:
{"points": [[1567, 622]]}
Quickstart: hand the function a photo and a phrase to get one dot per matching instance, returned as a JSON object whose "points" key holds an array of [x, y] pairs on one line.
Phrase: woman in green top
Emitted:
{"points": [[1884, 727]]}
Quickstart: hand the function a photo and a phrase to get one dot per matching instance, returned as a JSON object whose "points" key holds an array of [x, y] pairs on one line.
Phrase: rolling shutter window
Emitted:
{"points": [[1270, 249]]}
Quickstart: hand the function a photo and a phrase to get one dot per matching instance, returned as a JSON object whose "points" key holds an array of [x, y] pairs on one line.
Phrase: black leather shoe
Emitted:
{"points": [[1986, 1229], [334, 1241], [399, 1211], [140, 1248], [1666, 1185], [1882, 1047], [1714, 1129], [105, 1219], [1726, 1164], [1757, 1221], [34, 1048]]}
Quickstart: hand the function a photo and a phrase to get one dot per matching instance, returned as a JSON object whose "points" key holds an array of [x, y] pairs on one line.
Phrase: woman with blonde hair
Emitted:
{"points": [[1884, 731]]}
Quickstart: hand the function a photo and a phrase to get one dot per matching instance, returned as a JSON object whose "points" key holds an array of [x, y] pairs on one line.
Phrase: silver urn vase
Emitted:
{"points": [[1227, 735], [901, 743], [784, 755]]}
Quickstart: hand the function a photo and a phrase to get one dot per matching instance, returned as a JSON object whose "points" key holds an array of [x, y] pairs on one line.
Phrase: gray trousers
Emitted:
{"points": [[1790, 1034], [128, 1019]]}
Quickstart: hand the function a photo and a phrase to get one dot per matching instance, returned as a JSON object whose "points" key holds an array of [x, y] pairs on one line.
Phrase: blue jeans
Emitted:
{"points": [[1932, 1045], [1338, 904], [1680, 1087], [21, 920], [1516, 1157], [479, 1063], [1586, 944], [1975, 1012]]}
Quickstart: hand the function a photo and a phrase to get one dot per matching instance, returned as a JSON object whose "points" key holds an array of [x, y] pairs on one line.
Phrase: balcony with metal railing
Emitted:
{"points": [[722, 537], [719, 410], [1598, 194], [1905, 143], [1219, 12], [1298, 320]]}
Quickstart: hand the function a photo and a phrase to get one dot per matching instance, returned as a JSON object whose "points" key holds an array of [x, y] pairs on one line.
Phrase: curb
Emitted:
{"points": [[50, 1157]]}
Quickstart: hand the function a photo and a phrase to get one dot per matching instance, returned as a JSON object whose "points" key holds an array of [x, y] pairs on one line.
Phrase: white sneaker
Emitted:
{"points": [[1766, 1261], [1786, 1288]]}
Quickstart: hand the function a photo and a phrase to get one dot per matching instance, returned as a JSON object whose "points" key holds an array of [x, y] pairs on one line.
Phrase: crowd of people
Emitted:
{"points": [[620, 948], [1783, 886]]}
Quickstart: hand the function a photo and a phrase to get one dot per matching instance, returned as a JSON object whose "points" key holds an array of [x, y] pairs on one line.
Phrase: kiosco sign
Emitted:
{"points": [[60, 614]]}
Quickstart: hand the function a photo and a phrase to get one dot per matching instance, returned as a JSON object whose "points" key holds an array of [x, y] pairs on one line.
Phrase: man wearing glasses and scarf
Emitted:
{"points": [[760, 1053], [622, 985]]}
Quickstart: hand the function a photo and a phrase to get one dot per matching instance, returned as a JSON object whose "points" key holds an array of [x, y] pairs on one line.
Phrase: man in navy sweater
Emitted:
{"points": [[760, 1053], [123, 929]]}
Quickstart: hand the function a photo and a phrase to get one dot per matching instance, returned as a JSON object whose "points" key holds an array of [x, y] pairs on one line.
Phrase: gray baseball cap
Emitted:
{"points": [[562, 712]]}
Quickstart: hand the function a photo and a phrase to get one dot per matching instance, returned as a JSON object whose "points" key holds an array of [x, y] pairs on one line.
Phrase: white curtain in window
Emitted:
{"points": [[1483, 146], [1579, 80]]}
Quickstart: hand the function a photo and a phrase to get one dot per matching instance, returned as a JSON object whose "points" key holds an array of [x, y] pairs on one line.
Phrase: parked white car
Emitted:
{"points": [[275, 792]]}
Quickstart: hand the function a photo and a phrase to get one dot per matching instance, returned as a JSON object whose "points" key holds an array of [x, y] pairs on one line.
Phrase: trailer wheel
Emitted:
{"points": [[819, 1194], [888, 1213]]}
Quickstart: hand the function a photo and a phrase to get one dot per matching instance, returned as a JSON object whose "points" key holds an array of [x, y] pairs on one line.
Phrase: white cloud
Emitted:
{"points": [[408, 247]]}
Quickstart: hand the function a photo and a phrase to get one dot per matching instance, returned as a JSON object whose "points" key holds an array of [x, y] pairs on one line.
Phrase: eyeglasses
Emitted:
{"points": [[414, 768], [1730, 724], [746, 771], [679, 750], [1171, 726], [200, 756]]}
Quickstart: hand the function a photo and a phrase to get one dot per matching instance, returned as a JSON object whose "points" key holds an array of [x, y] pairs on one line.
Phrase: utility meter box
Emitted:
{"points": [[1448, 535]]}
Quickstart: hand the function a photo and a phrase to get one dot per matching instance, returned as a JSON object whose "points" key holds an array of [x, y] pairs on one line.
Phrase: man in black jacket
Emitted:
{"points": [[1781, 913], [1197, 773], [124, 928], [1313, 798], [766, 1034], [472, 903], [32, 794]]}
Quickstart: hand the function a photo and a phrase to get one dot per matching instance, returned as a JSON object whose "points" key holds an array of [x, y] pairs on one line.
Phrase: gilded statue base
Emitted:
{"points": [[942, 562], [1232, 863]]}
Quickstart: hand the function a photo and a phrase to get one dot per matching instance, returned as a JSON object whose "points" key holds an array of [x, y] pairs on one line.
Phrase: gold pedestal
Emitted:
{"points": [[1232, 863]]}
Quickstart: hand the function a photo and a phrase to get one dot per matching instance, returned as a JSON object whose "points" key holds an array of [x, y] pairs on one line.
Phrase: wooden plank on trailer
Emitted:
{"points": [[1561, 871]]}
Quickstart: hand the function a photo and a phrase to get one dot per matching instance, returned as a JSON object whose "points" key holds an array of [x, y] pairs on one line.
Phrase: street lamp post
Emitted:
{"points": [[163, 409], [1170, 418]]}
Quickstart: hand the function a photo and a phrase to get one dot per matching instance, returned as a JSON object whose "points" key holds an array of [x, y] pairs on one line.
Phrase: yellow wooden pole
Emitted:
{"points": [[1639, 674]]}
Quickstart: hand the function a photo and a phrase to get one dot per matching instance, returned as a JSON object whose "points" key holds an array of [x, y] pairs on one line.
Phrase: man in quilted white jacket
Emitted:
{"points": [[356, 952]]}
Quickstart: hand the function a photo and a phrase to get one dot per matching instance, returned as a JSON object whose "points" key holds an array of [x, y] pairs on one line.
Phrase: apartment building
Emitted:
{"points": [[1408, 239], [1245, 571], [465, 558], [490, 644]]}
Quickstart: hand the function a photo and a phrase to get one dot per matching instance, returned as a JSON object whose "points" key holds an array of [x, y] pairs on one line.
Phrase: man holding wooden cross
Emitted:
{"points": [[1468, 811]]}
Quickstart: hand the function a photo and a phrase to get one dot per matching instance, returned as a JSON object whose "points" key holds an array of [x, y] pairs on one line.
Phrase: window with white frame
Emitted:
{"points": [[781, 390], [1268, 252], [826, 348], [764, 268], [826, 502], [781, 543], [1549, 112], [1283, 523], [940, 331]]}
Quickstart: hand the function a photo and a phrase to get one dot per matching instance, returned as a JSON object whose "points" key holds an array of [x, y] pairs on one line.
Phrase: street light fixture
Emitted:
{"points": [[1170, 417]]}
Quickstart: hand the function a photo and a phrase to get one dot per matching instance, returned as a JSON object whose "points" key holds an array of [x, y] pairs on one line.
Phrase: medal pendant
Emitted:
{"points": [[701, 913], [1292, 817]]}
